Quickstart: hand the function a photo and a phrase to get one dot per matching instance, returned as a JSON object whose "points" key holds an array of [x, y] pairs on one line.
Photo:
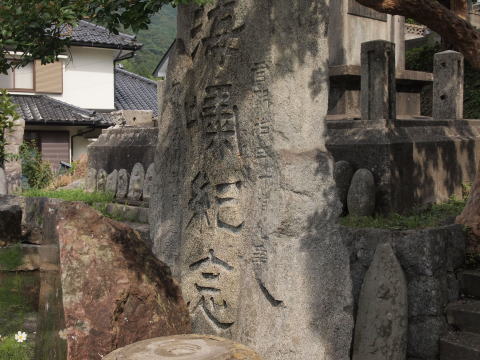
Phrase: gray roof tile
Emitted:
{"points": [[135, 92]]}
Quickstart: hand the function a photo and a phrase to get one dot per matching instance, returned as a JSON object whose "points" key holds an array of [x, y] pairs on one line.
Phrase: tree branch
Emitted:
{"points": [[455, 30]]}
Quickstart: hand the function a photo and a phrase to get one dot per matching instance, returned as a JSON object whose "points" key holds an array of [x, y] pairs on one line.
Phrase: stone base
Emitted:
{"points": [[184, 347], [344, 99], [414, 162]]}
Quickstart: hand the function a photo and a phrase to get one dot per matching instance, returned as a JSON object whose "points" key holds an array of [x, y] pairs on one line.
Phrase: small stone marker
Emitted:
{"points": [[382, 320], [343, 174], [112, 181], [101, 180], [378, 96], [122, 187], [91, 181], [361, 195], [448, 84], [3, 182], [137, 179], [148, 185], [184, 347]]}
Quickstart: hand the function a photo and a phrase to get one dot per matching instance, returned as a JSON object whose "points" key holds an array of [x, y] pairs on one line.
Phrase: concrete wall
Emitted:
{"points": [[88, 79]]}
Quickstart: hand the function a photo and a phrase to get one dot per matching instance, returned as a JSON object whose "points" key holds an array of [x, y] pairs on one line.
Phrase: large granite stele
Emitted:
{"points": [[245, 204]]}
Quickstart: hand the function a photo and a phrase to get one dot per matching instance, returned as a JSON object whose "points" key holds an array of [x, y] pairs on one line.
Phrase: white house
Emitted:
{"points": [[66, 104]]}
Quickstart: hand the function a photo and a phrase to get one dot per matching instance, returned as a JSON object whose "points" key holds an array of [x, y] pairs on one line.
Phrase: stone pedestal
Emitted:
{"points": [[245, 204], [448, 72], [184, 347]]}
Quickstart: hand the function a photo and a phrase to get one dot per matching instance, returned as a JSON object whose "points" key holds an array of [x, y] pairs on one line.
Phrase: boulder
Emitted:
{"points": [[10, 223], [114, 291], [101, 180], [184, 347], [112, 183], [137, 179], [122, 185], [361, 194], [91, 180], [343, 174]]}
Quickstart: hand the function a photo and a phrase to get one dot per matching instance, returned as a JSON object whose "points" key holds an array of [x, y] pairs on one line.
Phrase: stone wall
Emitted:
{"points": [[122, 148], [430, 260]]}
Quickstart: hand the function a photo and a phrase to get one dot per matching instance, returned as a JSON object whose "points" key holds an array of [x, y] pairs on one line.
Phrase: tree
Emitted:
{"points": [[38, 29]]}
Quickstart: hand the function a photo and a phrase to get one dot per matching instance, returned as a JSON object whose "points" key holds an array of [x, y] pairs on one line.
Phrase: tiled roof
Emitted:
{"points": [[41, 109], [88, 34], [134, 92]]}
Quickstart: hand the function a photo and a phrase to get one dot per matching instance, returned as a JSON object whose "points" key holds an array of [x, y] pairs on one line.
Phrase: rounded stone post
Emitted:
{"points": [[448, 70], [378, 98]]}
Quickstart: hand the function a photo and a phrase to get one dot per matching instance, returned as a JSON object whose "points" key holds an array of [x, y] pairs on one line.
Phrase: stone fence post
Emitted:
{"points": [[378, 94], [448, 80]]}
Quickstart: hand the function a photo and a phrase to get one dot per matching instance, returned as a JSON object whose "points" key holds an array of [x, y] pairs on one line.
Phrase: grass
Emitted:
{"points": [[10, 349], [11, 257], [433, 216], [71, 195]]}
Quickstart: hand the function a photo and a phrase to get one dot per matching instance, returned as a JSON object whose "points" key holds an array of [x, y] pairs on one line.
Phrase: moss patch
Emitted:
{"points": [[71, 195], [11, 257], [435, 215]]}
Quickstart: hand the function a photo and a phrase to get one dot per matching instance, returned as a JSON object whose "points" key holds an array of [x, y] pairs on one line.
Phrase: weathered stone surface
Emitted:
{"points": [[10, 223], [448, 85], [343, 174], [3, 182], [382, 319], [91, 180], [246, 203], [137, 179], [114, 291], [122, 185], [13, 168], [149, 181], [30, 258], [129, 213], [361, 195], [112, 183], [379, 94], [101, 180], [184, 347]]}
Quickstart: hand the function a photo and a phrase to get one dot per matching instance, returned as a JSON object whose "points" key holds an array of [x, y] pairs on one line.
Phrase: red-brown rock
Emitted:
{"points": [[115, 292]]}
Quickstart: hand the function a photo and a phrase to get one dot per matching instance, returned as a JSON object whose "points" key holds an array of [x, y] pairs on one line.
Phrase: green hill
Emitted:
{"points": [[156, 41]]}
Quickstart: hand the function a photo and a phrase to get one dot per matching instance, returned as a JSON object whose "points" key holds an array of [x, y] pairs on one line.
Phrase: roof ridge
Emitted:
{"points": [[131, 37], [137, 76], [91, 113]]}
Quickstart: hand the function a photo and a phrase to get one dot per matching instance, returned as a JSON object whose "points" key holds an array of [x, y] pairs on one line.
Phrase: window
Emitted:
{"points": [[20, 78]]}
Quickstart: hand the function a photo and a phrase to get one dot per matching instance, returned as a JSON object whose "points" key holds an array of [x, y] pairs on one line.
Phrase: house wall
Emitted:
{"points": [[88, 79], [78, 144]]}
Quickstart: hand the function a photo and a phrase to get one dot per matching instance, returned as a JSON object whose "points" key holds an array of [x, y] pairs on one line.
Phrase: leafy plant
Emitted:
{"points": [[10, 349], [8, 115], [37, 171]]}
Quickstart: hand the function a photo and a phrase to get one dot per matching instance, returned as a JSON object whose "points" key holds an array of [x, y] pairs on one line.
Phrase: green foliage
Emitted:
{"points": [[156, 41], [71, 195], [11, 257], [10, 349], [38, 172], [8, 115], [421, 59], [39, 29], [418, 219]]}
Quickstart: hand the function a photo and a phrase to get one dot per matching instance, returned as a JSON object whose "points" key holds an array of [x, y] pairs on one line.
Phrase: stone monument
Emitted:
{"points": [[135, 189], [122, 184], [245, 206], [91, 180], [101, 180]]}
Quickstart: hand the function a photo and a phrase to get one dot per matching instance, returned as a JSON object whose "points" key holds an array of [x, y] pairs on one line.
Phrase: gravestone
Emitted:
{"points": [[245, 206], [149, 179], [448, 84], [137, 180], [101, 180], [91, 180], [112, 181], [382, 319], [3, 182], [361, 194], [122, 187]]}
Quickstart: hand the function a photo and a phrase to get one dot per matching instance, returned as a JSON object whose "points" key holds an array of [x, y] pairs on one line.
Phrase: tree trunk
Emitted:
{"points": [[438, 18]]}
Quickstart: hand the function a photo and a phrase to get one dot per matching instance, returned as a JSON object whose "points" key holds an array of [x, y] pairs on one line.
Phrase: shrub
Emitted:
{"points": [[38, 172]]}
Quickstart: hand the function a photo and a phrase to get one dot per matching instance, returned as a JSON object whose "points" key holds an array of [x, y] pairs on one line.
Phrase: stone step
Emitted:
{"points": [[460, 346], [465, 315], [471, 283]]}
